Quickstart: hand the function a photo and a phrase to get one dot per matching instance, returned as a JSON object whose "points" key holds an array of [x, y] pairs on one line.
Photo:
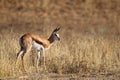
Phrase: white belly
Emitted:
{"points": [[36, 45]]}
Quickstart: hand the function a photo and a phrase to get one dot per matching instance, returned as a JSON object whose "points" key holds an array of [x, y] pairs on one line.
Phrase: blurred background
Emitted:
{"points": [[101, 16]]}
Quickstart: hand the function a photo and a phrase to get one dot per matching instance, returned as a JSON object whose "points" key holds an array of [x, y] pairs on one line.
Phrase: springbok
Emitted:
{"points": [[36, 41]]}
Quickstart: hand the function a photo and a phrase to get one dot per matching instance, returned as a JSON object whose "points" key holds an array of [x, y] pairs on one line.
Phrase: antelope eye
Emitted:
{"points": [[55, 34]]}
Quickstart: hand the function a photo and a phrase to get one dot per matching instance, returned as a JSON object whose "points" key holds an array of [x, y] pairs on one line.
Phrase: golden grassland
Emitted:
{"points": [[90, 38], [81, 54]]}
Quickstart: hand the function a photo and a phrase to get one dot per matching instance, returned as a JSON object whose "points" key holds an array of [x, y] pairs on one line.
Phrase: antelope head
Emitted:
{"points": [[54, 36]]}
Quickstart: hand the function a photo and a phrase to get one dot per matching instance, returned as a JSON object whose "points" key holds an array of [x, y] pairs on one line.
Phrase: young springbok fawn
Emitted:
{"points": [[39, 42]]}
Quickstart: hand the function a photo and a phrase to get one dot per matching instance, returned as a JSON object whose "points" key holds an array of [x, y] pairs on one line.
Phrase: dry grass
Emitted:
{"points": [[84, 54], [89, 36]]}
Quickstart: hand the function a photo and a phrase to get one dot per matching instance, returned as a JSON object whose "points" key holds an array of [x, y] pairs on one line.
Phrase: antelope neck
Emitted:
{"points": [[51, 39]]}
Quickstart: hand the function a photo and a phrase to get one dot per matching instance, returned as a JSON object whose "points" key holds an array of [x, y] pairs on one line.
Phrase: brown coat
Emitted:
{"points": [[28, 38]]}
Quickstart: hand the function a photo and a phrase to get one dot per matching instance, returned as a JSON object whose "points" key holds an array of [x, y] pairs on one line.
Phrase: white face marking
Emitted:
{"points": [[58, 35]]}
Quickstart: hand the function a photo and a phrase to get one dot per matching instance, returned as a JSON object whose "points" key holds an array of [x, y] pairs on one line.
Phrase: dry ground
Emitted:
{"points": [[90, 36], [52, 76]]}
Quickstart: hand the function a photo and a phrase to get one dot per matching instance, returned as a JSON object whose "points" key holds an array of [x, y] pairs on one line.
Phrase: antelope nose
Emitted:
{"points": [[59, 39]]}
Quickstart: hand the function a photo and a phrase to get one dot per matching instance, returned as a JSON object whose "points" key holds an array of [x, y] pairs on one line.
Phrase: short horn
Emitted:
{"points": [[57, 29]]}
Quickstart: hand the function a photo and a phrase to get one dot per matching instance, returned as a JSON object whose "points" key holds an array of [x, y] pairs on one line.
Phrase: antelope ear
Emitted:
{"points": [[57, 29]]}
